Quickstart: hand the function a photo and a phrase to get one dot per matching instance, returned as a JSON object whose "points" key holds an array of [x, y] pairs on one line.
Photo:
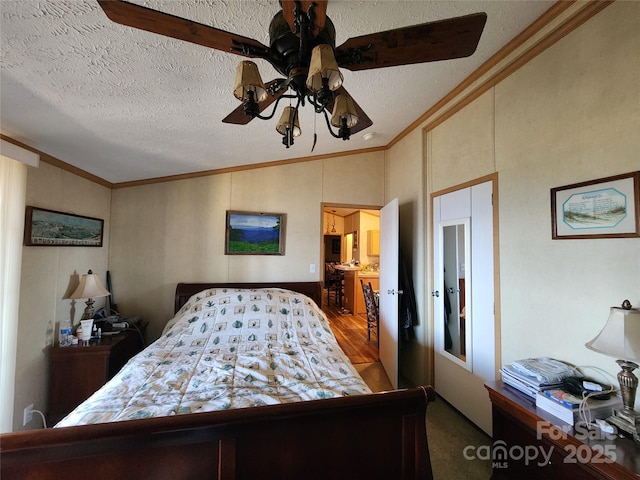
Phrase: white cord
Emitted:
{"points": [[599, 370], [44, 421], [584, 410]]}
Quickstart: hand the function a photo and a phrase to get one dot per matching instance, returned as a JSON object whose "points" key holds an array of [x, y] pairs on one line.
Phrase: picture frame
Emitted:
{"points": [[50, 228], [254, 233], [603, 208]]}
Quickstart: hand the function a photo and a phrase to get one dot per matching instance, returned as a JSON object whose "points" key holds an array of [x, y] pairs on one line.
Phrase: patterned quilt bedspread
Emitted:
{"points": [[228, 348]]}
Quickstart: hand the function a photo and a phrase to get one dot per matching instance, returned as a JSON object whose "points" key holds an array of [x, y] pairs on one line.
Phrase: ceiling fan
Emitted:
{"points": [[302, 49]]}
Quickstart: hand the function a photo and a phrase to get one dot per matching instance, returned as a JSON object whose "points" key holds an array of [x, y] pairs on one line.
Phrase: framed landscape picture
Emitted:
{"points": [[48, 228], [604, 208], [250, 233]]}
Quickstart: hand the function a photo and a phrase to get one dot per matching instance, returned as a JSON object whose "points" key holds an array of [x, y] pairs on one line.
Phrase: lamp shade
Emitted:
{"points": [[90, 287], [248, 79], [344, 107], [620, 337], [323, 65], [289, 120], [74, 281]]}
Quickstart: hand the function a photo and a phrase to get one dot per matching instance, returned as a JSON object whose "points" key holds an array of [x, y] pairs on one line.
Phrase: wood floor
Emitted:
{"points": [[351, 333]]}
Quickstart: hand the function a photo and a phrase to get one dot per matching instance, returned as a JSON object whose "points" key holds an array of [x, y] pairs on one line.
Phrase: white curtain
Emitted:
{"points": [[13, 182]]}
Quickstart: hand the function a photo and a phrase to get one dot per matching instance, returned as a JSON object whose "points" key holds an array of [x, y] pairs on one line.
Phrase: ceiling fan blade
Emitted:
{"points": [[363, 119], [238, 117], [429, 42], [168, 25], [319, 13]]}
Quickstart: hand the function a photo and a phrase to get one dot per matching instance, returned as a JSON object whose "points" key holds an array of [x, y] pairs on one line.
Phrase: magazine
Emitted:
{"points": [[545, 369]]}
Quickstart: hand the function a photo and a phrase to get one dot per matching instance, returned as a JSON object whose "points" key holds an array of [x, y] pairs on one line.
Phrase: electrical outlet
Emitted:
{"points": [[312, 268], [28, 415]]}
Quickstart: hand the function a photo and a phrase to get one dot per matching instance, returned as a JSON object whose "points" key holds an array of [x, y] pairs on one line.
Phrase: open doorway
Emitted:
{"points": [[350, 239], [351, 234]]}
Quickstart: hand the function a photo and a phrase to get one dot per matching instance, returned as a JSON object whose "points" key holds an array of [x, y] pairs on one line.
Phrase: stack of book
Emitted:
{"points": [[566, 406], [527, 384], [534, 374]]}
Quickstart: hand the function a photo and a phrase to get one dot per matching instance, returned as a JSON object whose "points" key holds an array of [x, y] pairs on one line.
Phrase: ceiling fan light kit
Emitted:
{"points": [[288, 126], [248, 79], [323, 70], [302, 49], [344, 111]]}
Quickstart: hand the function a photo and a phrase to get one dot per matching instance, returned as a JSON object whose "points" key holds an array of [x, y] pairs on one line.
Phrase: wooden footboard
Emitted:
{"points": [[380, 435]]}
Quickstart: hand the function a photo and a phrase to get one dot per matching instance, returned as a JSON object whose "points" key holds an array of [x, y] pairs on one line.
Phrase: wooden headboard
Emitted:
{"points": [[184, 291]]}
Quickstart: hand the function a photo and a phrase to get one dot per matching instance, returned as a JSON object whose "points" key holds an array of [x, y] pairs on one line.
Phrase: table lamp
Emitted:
{"points": [[90, 287], [620, 338]]}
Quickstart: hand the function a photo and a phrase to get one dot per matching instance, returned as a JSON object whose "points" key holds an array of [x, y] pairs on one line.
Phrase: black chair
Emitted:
{"points": [[372, 310], [334, 281]]}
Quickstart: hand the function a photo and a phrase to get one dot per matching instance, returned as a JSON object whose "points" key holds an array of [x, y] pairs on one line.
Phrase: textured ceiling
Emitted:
{"points": [[125, 104]]}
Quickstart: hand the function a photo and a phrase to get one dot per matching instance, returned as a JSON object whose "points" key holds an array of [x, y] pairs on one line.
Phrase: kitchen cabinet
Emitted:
{"points": [[367, 277], [350, 223], [351, 286], [350, 290], [373, 243], [353, 298]]}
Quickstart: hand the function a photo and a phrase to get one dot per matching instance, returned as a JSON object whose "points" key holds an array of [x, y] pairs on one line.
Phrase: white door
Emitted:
{"points": [[460, 375], [389, 292]]}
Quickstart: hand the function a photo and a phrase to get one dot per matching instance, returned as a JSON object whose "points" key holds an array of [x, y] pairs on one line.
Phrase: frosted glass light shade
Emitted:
{"points": [[289, 118], [248, 79], [344, 107], [620, 337], [323, 65]]}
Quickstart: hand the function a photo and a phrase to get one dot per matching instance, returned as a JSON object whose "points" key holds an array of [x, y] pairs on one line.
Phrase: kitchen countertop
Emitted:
{"points": [[347, 268]]}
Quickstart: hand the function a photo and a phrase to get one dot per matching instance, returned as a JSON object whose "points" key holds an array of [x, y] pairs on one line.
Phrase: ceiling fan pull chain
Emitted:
{"points": [[315, 134]]}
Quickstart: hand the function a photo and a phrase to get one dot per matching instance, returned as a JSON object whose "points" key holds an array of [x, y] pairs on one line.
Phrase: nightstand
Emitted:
{"points": [[77, 371]]}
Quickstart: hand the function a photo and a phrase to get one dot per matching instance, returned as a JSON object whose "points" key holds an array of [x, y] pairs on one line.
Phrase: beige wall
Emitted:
{"points": [[172, 232], [579, 118], [406, 183], [462, 149], [570, 115], [45, 277]]}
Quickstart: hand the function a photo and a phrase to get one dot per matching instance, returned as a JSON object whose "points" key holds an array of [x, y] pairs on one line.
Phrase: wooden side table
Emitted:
{"points": [[77, 371], [524, 435]]}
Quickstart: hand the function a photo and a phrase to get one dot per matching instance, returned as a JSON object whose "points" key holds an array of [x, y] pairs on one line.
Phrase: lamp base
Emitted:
{"points": [[626, 420], [88, 311]]}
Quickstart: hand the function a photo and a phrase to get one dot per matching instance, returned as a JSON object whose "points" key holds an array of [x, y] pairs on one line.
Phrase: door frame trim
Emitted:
{"points": [[493, 177]]}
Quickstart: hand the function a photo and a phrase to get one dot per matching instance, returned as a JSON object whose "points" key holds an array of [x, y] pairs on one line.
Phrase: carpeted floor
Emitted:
{"points": [[374, 375], [448, 432]]}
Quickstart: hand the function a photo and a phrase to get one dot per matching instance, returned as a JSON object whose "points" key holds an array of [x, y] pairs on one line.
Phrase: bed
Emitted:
{"points": [[271, 395]]}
